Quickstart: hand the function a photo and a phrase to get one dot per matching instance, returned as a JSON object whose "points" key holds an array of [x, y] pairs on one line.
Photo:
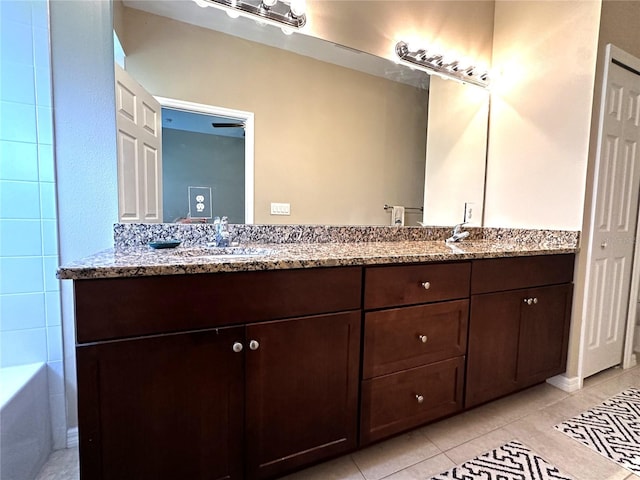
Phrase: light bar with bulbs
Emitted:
{"points": [[435, 63], [286, 14]]}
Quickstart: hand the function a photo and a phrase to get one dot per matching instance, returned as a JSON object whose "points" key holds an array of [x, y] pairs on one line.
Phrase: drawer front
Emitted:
{"points": [[408, 337], [404, 400], [499, 274], [405, 285], [127, 307]]}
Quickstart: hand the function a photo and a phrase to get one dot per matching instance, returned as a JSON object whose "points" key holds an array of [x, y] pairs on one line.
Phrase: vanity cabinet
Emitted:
{"points": [[413, 355], [240, 395], [519, 324], [252, 375]]}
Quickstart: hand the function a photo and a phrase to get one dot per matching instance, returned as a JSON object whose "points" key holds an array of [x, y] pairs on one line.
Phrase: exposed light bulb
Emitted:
{"points": [[298, 7]]}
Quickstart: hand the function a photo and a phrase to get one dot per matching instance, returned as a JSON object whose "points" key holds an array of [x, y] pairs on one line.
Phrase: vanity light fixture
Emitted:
{"points": [[286, 14], [437, 64]]}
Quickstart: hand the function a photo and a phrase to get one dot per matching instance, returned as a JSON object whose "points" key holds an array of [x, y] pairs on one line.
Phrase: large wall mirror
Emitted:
{"points": [[338, 133]]}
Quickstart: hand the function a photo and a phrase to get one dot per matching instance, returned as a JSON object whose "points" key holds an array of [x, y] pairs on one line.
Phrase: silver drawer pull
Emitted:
{"points": [[237, 347], [528, 301], [423, 338], [419, 398], [254, 345], [535, 300], [426, 285]]}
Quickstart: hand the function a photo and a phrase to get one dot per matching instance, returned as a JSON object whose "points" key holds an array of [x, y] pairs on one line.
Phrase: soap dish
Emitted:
{"points": [[164, 244]]}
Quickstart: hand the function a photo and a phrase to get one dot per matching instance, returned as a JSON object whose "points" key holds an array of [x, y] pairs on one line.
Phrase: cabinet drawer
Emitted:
{"points": [[405, 285], [499, 274], [391, 404], [408, 337], [125, 307]]}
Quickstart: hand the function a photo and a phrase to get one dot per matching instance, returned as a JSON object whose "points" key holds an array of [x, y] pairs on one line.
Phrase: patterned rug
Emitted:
{"points": [[512, 461], [611, 429]]}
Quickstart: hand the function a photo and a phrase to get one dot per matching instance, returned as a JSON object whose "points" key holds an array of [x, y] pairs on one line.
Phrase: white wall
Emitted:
{"points": [[85, 146], [541, 113]]}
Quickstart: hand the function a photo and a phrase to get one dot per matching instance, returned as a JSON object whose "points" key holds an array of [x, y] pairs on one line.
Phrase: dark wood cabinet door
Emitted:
{"points": [[492, 356], [162, 407], [301, 391], [544, 333]]}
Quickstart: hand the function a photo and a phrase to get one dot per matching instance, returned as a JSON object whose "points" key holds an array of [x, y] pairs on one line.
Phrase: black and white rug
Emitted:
{"points": [[612, 429], [512, 461]]}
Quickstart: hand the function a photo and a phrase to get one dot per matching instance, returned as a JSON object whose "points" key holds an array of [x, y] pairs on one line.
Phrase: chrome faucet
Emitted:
{"points": [[457, 233]]}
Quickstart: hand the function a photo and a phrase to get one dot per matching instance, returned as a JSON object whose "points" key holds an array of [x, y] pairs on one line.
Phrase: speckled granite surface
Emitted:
{"points": [[140, 234], [194, 257]]}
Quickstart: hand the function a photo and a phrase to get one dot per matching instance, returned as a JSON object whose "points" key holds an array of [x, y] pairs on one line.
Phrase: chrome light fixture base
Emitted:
{"points": [[436, 64], [278, 12]]}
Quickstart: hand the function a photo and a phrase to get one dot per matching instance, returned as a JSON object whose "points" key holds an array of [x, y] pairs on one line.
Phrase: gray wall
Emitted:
{"points": [[201, 160]]}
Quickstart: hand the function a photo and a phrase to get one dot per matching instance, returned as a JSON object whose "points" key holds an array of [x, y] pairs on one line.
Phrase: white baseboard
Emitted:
{"points": [[72, 437], [566, 384]]}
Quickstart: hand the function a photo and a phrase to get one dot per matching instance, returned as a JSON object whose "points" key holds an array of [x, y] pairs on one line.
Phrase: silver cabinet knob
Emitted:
{"points": [[419, 398], [254, 345], [535, 300], [426, 285], [423, 338], [237, 347], [528, 301]]}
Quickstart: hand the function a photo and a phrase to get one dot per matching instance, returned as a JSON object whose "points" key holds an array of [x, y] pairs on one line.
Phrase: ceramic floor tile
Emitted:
{"points": [[613, 386], [393, 455], [342, 468], [537, 432], [602, 377], [525, 402], [478, 446], [461, 428], [61, 465], [424, 470]]}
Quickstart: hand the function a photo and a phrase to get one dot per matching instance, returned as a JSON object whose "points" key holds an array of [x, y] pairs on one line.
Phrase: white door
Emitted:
{"points": [[139, 124], [612, 241]]}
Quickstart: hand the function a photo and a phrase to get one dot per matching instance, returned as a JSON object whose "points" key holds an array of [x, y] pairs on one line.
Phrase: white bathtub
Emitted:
{"points": [[25, 423]]}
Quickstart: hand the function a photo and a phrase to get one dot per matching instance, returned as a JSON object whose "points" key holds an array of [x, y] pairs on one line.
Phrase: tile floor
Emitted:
{"points": [[528, 416]]}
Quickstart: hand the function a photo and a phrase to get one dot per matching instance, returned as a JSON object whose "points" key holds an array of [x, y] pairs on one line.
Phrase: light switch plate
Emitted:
{"points": [[280, 208]]}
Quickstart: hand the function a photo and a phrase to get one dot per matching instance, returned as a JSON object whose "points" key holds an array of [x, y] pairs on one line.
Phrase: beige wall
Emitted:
{"points": [[456, 152], [541, 113], [464, 28], [334, 143]]}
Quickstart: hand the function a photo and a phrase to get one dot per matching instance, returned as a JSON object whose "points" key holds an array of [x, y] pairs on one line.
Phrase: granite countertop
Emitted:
{"points": [[137, 261]]}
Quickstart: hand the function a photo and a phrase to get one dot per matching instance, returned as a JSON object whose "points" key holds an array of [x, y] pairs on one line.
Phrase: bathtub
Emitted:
{"points": [[25, 423]]}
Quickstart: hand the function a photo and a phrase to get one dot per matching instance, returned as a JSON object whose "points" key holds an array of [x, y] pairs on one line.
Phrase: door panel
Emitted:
{"points": [[301, 391], [164, 407], [139, 137], [612, 241]]}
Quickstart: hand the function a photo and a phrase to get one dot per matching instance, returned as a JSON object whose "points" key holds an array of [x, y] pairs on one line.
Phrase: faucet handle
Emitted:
{"points": [[457, 228]]}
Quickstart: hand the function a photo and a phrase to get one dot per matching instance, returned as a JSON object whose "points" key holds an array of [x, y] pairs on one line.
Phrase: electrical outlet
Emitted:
{"points": [[280, 209], [469, 211]]}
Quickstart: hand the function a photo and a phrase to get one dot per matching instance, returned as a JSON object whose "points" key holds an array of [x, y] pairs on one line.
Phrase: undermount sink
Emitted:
{"points": [[222, 252]]}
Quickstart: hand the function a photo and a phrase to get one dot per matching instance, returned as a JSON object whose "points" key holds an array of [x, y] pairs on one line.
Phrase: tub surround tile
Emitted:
{"points": [[303, 246]]}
